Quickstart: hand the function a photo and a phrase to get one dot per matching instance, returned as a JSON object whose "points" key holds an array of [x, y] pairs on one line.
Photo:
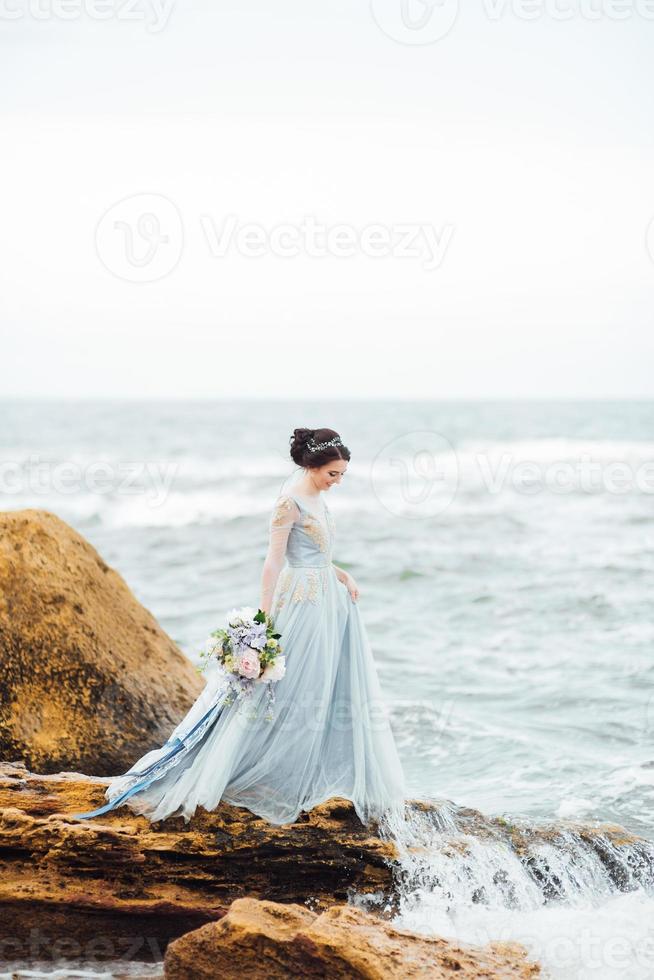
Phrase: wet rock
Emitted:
{"points": [[266, 940], [120, 880]]}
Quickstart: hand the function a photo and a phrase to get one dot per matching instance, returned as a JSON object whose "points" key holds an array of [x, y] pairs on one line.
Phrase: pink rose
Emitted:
{"points": [[248, 664]]}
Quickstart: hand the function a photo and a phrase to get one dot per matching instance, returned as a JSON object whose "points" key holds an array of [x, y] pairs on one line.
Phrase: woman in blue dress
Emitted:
{"points": [[329, 735]]}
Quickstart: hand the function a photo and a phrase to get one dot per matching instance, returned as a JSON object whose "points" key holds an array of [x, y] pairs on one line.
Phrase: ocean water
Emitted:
{"points": [[504, 554]]}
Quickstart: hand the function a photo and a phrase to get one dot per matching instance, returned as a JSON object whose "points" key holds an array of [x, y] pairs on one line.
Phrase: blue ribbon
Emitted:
{"points": [[179, 745]]}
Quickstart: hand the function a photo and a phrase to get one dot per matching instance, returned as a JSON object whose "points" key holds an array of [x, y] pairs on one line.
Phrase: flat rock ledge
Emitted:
{"points": [[118, 886], [138, 884]]}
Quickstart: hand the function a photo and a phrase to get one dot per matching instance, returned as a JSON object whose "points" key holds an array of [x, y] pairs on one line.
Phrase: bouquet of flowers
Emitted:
{"points": [[248, 652]]}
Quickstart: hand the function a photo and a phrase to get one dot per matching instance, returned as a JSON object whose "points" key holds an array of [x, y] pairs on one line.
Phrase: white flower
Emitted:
{"points": [[275, 672], [236, 617]]}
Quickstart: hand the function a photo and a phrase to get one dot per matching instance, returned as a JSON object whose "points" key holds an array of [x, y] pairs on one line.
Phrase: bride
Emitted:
{"points": [[329, 735]]}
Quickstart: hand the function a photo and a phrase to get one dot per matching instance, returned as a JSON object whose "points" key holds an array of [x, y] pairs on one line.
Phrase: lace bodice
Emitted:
{"points": [[299, 534]]}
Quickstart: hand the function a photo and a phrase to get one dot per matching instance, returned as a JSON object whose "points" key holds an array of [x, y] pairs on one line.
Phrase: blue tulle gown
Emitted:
{"points": [[330, 734]]}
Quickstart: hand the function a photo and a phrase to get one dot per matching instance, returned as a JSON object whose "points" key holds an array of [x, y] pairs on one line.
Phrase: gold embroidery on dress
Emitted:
{"points": [[316, 531], [282, 511], [315, 583], [284, 583], [312, 593]]}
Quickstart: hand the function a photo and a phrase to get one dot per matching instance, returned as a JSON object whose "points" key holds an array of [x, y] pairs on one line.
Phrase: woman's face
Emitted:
{"points": [[326, 476]]}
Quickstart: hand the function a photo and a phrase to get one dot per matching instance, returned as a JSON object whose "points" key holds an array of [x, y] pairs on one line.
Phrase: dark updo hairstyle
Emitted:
{"points": [[301, 455]]}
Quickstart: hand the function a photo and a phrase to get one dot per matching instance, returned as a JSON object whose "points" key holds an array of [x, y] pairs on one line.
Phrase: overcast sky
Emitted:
{"points": [[341, 199]]}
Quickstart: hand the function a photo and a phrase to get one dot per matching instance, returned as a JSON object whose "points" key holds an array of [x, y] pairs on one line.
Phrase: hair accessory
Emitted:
{"points": [[313, 447]]}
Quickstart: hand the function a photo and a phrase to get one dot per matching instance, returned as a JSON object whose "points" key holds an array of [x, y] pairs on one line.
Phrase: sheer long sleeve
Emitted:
{"points": [[284, 515]]}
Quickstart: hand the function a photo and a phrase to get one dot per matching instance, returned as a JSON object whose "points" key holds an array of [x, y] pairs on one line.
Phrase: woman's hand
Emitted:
{"points": [[351, 587]]}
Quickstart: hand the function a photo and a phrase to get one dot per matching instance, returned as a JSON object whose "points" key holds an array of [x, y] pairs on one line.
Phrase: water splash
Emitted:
{"points": [[579, 896]]}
